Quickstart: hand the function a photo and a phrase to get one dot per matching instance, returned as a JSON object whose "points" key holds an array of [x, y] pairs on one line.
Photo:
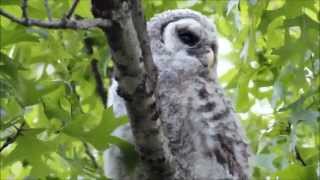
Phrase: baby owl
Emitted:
{"points": [[203, 137]]}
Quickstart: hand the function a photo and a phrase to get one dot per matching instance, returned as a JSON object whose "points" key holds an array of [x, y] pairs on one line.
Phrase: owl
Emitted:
{"points": [[203, 137]]}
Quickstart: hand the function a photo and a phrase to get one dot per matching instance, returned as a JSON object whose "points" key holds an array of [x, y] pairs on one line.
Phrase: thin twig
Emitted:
{"points": [[90, 155], [13, 138], [24, 7], [46, 5], [71, 10], [299, 157], [140, 25], [61, 24], [99, 82]]}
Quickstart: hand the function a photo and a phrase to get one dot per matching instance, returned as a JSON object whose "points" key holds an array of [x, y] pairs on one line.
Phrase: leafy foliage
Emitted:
{"points": [[46, 81]]}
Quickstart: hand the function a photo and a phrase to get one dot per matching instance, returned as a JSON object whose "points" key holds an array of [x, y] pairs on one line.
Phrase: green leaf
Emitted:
{"points": [[35, 116], [97, 136], [29, 92], [131, 157], [295, 171], [52, 107], [15, 35], [243, 103], [275, 34], [10, 110], [266, 161], [30, 150], [304, 115], [9, 2]]}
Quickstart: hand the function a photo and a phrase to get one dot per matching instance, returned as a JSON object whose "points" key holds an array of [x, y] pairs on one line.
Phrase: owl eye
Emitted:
{"points": [[188, 38]]}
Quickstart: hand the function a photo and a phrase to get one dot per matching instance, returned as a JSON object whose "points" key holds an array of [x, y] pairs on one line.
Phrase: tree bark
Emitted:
{"points": [[137, 78]]}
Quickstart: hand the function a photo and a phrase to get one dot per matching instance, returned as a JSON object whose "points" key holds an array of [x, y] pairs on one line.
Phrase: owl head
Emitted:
{"points": [[186, 38]]}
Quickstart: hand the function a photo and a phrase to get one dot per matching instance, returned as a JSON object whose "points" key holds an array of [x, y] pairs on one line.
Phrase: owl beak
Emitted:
{"points": [[207, 58], [210, 58]]}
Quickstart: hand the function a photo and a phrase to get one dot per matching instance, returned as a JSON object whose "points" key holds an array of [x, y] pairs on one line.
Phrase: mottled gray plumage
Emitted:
{"points": [[200, 129]]}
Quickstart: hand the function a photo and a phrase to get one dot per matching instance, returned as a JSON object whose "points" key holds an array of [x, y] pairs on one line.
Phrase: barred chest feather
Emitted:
{"points": [[201, 129]]}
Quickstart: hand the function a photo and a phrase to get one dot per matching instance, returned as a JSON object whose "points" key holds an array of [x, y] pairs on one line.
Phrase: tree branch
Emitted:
{"points": [[71, 10], [24, 7], [99, 82], [90, 155], [141, 29], [59, 24], [46, 5], [13, 138], [299, 157], [134, 68]]}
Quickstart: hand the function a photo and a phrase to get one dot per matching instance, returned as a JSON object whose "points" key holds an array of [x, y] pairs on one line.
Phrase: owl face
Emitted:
{"points": [[183, 42], [187, 37]]}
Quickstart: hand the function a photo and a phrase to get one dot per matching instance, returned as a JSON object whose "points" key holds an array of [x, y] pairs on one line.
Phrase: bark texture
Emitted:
{"points": [[136, 76]]}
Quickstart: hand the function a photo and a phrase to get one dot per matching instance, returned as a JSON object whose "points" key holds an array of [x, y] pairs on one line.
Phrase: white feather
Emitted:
{"points": [[114, 100]]}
